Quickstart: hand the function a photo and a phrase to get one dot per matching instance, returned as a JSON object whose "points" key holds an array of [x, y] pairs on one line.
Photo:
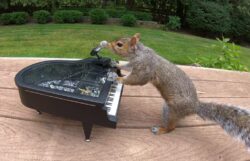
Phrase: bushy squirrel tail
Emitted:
{"points": [[232, 119]]}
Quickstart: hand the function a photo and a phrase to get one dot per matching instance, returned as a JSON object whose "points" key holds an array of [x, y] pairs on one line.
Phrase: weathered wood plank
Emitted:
{"points": [[198, 73], [26, 141], [209, 88], [16, 64], [134, 111], [204, 89], [7, 79]]}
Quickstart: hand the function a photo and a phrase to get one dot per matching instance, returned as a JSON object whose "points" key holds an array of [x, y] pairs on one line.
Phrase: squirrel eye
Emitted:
{"points": [[119, 44]]}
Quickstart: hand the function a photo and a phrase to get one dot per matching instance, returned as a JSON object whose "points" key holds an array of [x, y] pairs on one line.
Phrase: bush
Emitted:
{"points": [[98, 16], [240, 25], [174, 23], [42, 16], [128, 20], [209, 16], [144, 16], [115, 13], [228, 59], [85, 11], [67, 16], [17, 18]]}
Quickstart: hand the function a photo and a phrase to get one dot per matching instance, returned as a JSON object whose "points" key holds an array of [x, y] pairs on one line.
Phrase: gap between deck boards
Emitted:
{"points": [[134, 96], [79, 125], [123, 125]]}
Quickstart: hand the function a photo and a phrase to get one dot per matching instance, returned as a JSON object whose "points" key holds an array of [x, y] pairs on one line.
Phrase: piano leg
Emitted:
{"points": [[87, 128]]}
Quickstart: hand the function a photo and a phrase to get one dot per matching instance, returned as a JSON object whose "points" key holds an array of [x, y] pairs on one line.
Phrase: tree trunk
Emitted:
{"points": [[130, 4], [181, 11], [104, 3]]}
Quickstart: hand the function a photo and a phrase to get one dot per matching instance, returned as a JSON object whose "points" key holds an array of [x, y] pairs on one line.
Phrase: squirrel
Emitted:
{"points": [[176, 88]]}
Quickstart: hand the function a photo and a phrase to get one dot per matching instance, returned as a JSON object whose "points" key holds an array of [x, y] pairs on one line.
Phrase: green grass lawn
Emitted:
{"points": [[77, 40]]}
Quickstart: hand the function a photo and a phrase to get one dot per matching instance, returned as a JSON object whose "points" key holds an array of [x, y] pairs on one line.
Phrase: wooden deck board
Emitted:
{"points": [[134, 111], [207, 88], [25, 135], [26, 140], [194, 72], [130, 113]]}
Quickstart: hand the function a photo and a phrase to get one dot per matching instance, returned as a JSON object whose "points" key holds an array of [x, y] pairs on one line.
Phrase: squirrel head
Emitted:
{"points": [[124, 46]]}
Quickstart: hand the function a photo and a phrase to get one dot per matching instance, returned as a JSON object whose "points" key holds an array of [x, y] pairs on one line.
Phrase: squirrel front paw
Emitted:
{"points": [[120, 79], [118, 66]]}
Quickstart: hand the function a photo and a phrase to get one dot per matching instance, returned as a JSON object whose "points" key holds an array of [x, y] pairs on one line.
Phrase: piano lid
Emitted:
{"points": [[87, 80]]}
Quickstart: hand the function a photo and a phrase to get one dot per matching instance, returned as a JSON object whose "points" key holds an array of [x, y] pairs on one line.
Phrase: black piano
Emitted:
{"points": [[84, 90]]}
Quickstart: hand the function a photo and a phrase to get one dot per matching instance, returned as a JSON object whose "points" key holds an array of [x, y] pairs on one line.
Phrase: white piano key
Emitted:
{"points": [[114, 104]]}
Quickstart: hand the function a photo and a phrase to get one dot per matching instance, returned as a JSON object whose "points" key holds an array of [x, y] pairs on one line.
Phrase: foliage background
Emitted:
{"points": [[229, 18]]}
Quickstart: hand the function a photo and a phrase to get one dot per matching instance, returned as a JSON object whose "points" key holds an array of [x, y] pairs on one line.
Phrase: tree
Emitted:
{"points": [[4, 4], [241, 20], [130, 4]]}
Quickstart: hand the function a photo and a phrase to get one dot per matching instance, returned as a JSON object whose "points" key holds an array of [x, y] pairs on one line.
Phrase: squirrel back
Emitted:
{"points": [[176, 88]]}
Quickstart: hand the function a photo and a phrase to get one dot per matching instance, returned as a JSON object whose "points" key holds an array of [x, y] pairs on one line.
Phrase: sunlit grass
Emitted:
{"points": [[77, 40]]}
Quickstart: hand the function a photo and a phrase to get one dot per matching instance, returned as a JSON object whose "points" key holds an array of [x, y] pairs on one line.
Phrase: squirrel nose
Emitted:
{"points": [[109, 45]]}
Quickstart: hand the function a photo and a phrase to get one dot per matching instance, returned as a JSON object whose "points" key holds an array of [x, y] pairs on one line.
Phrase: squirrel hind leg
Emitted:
{"points": [[169, 120]]}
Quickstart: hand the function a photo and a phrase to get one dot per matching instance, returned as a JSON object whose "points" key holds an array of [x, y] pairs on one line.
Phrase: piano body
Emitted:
{"points": [[84, 90]]}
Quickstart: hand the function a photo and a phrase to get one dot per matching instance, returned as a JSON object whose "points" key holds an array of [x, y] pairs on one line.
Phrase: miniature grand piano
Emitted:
{"points": [[84, 90]]}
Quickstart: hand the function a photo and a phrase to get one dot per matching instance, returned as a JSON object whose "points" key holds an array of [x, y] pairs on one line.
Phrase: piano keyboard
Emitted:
{"points": [[113, 100]]}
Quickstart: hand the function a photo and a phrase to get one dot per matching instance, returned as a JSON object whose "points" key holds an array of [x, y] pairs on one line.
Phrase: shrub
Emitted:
{"points": [[98, 16], [17, 18], [209, 16], [42, 16], [67, 16], [5, 18], [85, 11], [228, 59], [128, 20], [174, 23], [115, 13], [240, 25], [144, 16]]}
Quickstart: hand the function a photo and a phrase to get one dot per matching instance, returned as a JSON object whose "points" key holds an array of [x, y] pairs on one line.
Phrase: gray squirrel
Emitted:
{"points": [[177, 90]]}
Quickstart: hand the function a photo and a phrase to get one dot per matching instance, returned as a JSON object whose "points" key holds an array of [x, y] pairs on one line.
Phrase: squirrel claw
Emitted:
{"points": [[118, 66], [155, 130], [120, 79]]}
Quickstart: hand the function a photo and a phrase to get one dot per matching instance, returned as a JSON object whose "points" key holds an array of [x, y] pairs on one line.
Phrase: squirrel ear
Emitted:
{"points": [[135, 39]]}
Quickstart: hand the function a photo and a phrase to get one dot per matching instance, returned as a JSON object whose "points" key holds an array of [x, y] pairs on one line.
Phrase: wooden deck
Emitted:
{"points": [[25, 135]]}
